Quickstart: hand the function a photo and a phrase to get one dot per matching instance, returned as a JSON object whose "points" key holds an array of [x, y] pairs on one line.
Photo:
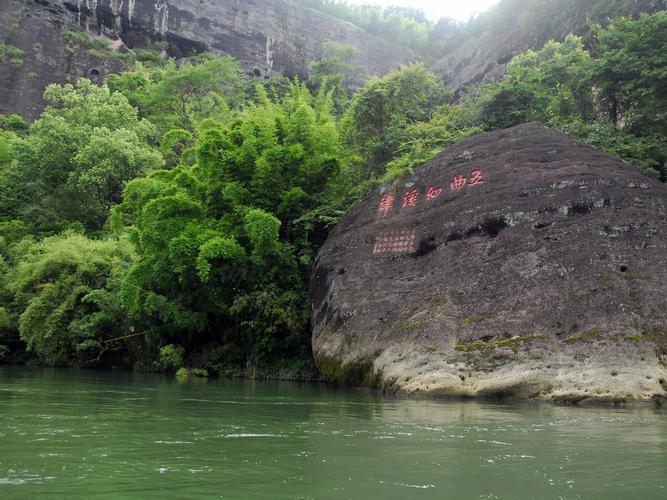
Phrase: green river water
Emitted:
{"points": [[84, 434]]}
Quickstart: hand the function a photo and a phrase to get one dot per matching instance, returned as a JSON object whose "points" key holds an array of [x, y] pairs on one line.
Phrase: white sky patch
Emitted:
{"points": [[461, 10]]}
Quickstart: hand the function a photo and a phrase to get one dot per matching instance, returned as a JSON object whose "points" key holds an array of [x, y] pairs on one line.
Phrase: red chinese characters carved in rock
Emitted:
{"points": [[410, 198], [386, 203], [401, 241], [433, 193], [458, 182], [476, 178]]}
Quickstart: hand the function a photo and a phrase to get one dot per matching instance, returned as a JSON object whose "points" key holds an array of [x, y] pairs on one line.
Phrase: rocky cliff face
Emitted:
{"points": [[515, 26], [517, 262], [35, 28], [268, 37]]}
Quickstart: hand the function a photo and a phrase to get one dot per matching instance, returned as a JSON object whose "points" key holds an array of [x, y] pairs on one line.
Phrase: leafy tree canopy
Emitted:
{"points": [[76, 158], [223, 254], [65, 296]]}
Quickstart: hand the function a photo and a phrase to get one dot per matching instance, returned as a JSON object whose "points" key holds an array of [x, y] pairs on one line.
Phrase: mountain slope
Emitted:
{"points": [[514, 26], [268, 37]]}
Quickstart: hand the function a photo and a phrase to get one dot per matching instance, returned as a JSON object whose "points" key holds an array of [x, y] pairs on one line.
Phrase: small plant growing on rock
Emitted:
{"points": [[171, 358], [592, 334], [190, 373]]}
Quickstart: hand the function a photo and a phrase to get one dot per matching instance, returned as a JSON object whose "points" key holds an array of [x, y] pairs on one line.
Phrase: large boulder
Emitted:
{"points": [[516, 263]]}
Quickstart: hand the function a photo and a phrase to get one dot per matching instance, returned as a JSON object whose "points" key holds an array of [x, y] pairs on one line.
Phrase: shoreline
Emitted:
{"points": [[263, 375]]}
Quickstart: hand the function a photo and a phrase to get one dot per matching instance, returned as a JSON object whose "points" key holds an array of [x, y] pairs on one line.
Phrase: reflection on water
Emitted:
{"points": [[71, 433]]}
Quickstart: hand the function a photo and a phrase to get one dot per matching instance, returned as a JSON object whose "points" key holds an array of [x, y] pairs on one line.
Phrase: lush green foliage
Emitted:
{"points": [[13, 123], [65, 295], [376, 121], [173, 95], [224, 255], [631, 71], [171, 357], [551, 83], [409, 27], [614, 99], [423, 140], [5, 155], [11, 54], [76, 158], [403, 25], [11, 127], [333, 69]]}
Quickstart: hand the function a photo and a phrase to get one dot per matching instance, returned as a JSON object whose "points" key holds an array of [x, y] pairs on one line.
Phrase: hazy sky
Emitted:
{"points": [[435, 9]]}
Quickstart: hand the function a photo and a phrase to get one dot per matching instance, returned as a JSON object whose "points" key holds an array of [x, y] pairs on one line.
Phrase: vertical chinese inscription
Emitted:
{"points": [[401, 241]]}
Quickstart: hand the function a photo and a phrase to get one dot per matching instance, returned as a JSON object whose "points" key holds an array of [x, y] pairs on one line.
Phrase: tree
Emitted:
{"points": [[5, 155], [379, 114], [402, 25], [422, 141], [177, 96], [73, 164], [613, 101], [333, 71], [630, 71], [630, 79], [64, 295], [14, 124], [224, 253], [548, 85]]}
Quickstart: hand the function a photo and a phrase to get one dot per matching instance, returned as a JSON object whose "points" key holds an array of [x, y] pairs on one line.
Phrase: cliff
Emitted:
{"points": [[515, 26], [516, 263], [268, 37]]}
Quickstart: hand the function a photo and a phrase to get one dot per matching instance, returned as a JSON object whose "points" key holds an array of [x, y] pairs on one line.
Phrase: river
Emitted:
{"points": [[85, 434]]}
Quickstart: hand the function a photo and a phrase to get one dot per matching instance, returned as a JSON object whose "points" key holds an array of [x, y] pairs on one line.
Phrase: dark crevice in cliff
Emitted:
{"points": [[489, 228], [426, 246], [584, 207]]}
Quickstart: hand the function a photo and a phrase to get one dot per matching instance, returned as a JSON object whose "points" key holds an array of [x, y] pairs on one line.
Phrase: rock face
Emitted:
{"points": [[35, 28], [268, 37], [516, 263], [516, 26]]}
